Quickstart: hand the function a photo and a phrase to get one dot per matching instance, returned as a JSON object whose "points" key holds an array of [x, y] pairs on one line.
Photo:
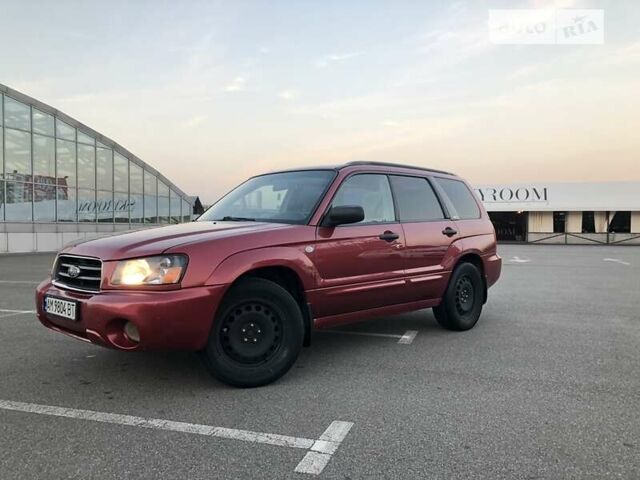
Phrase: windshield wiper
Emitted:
{"points": [[229, 218]]}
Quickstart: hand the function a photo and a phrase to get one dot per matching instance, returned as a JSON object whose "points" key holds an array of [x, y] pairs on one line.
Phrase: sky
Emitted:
{"points": [[210, 93]]}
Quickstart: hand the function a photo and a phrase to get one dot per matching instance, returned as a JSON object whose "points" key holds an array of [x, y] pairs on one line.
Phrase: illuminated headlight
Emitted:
{"points": [[161, 270]]}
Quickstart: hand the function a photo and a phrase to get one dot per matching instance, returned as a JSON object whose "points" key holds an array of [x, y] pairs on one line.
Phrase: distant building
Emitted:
{"points": [[61, 181], [559, 213]]}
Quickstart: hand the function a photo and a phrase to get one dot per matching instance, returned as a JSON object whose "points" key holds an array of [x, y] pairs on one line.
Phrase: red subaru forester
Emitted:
{"points": [[280, 255]]}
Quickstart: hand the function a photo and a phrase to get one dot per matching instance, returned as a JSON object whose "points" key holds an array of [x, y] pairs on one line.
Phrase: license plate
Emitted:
{"points": [[60, 308]]}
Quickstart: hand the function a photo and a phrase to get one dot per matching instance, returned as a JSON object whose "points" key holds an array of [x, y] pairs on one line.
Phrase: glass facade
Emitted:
{"points": [[51, 171]]}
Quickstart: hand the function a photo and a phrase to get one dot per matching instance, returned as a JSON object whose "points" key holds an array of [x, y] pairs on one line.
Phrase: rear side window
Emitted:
{"points": [[461, 197], [415, 199]]}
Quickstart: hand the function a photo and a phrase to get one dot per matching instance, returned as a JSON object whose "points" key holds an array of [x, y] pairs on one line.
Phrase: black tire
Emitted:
{"points": [[256, 336], [462, 302]]}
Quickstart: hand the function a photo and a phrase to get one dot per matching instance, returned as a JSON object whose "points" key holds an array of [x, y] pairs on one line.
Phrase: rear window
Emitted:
{"points": [[461, 197], [415, 199]]}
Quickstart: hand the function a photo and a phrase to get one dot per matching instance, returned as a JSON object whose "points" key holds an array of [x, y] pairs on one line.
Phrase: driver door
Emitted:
{"points": [[361, 264]]}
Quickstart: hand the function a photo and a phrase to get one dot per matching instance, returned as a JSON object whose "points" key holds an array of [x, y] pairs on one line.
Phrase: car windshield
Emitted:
{"points": [[287, 197]]}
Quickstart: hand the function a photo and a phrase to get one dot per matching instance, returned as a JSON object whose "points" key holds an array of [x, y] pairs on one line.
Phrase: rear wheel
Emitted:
{"points": [[462, 302], [257, 334]]}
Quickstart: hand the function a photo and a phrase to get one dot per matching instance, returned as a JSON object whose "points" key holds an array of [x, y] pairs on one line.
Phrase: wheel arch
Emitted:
{"points": [[476, 260], [283, 266]]}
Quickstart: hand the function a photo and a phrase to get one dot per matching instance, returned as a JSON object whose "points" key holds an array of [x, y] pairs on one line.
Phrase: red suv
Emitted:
{"points": [[280, 255]]}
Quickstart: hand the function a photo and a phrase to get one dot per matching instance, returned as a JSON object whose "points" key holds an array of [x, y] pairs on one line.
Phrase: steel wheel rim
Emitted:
{"points": [[465, 295], [251, 333]]}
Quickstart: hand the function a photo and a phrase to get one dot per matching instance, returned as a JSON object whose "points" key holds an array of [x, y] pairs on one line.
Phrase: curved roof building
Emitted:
{"points": [[61, 181]]}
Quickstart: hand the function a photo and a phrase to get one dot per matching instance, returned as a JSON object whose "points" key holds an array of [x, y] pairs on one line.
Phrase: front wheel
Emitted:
{"points": [[462, 302], [257, 334]]}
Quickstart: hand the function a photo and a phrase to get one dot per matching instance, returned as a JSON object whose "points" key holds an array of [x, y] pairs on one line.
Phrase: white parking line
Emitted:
{"points": [[11, 313], [325, 446], [404, 339], [19, 282], [408, 337], [321, 451], [615, 260]]}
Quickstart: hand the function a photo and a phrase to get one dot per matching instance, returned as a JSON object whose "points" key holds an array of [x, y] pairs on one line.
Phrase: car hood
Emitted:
{"points": [[154, 241]]}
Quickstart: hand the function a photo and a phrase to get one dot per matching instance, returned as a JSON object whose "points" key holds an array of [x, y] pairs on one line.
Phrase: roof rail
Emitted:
{"points": [[389, 164]]}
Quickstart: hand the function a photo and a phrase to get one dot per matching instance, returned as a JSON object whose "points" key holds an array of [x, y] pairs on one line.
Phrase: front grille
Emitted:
{"points": [[87, 279]]}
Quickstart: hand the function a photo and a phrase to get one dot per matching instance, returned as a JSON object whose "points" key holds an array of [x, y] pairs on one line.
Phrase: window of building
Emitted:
{"points": [[44, 202], [120, 173], [1, 161], [163, 203], [121, 207], [104, 207], [588, 222], [620, 223], [461, 197], [136, 207], [17, 154], [86, 166], [18, 201], [176, 205], [104, 167], [136, 199], [64, 131], [415, 199], [371, 192], [66, 204], [186, 211], [66, 152], [43, 123], [44, 159], [86, 205], [150, 184], [150, 198], [559, 222], [86, 139], [16, 114], [135, 178]]}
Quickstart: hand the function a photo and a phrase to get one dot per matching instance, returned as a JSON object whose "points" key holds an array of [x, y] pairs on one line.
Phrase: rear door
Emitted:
{"points": [[361, 264], [428, 235]]}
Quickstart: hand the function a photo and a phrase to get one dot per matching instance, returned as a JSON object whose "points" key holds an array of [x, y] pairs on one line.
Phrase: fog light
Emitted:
{"points": [[132, 333]]}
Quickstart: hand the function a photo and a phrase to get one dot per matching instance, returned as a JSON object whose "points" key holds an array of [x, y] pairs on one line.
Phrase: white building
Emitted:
{"points": [[61, 181], [565, 213]]}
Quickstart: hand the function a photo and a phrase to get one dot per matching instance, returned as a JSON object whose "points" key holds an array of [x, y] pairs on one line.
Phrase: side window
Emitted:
{"points": [[463, 200], [416, 200], [371, 192]]}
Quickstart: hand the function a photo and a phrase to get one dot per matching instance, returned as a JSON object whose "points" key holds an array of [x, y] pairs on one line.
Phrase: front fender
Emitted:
{"points": [[240, 263]]}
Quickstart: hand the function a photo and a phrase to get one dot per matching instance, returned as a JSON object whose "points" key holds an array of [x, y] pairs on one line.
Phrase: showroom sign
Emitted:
{"points": [[513, 194], [568, 196], [108, 206]]}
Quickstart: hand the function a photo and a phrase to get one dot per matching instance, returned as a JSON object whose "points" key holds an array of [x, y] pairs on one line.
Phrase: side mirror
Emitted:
{"points": [[343, 214]]}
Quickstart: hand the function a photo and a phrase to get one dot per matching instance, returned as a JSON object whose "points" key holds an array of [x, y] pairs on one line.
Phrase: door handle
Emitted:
{"points": [[449, 232], [389, 236]]}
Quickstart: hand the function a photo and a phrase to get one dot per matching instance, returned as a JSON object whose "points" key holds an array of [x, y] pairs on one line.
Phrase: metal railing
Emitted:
{"points": [[584, 238]]}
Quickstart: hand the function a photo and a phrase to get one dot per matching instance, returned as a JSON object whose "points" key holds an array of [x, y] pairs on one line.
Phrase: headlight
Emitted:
{"points": [[161, 270]]}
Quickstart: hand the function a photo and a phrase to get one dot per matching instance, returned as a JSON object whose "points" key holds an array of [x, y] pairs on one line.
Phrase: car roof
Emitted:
{"points": [[362, 163]]}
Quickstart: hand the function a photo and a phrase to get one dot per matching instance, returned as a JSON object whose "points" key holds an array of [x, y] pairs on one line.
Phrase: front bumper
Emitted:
{"points": [[166, 320]]}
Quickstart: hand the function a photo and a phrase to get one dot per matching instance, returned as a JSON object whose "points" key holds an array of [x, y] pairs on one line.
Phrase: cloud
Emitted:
{"points": [[334, 58], [288, 94], [195, 121], [236, 85], [625, 55]]}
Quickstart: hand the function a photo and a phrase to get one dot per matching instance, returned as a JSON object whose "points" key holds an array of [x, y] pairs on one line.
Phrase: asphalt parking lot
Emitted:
{"points": [[546, 386]]}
